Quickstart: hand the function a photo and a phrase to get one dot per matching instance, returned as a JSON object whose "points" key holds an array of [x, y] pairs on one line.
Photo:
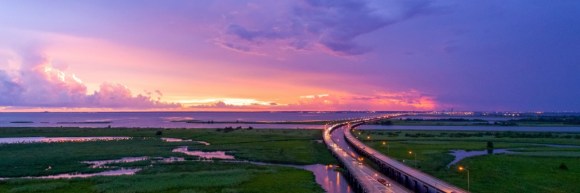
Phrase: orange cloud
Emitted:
{"points": [[411, 100]]}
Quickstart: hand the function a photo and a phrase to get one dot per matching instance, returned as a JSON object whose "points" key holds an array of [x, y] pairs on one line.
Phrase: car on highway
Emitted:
{"points": [[384, 182]]}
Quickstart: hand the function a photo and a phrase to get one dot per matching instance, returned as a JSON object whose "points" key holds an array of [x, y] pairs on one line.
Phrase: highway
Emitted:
{"points": [[366, 179], [401, 178]]}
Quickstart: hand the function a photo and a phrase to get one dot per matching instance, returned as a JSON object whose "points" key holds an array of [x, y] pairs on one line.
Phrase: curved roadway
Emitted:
{"points": [[345, 147], [367, 178]]}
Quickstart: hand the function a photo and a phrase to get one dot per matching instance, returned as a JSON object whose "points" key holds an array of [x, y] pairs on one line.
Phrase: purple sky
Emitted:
{"points": [[521, 55]]}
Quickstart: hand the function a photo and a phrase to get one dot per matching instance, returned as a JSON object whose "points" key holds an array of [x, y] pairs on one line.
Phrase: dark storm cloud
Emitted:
{"points": [[333, 24]]}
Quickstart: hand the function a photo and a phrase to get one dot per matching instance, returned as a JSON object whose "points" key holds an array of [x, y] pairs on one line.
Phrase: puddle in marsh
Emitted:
{"points": [[170, 160], [19, 140], [462, 154], [103, 163], [117, 172], [183, 140], [204, 154]]}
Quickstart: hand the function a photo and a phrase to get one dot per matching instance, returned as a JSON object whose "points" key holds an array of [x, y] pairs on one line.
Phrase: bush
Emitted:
{"points": [[563, 166]]}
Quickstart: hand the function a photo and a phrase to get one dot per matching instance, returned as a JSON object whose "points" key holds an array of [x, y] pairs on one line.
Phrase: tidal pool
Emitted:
{"points": [[462, 154], [169, 159], [18, 140], [103, 163], [204, 154], [117, 172], [166, 139]]}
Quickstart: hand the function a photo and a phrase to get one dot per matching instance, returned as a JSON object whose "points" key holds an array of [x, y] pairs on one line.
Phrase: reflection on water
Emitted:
{"points": [[103, 163], [326, 176], [462, 154], [118, 172], [202, 154], [15, 140], [166, 119], [330, 179], [170, 159], [167, 139]]}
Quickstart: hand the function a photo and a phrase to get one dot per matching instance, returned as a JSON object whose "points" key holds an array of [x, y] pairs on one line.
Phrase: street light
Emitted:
{"points": [[461, 168], [415, 154], [385, 143]]}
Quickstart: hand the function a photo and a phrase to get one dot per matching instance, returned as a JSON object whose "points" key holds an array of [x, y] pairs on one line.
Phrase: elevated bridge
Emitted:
{"points": [[391, 176]]}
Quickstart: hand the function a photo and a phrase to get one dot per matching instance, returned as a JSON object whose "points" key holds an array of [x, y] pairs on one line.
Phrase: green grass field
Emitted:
{"points": [[274, 146], [535, 169], [182, 177]]}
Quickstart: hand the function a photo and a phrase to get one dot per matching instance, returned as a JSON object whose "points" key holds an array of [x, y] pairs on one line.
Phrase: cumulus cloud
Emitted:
{"points": [[330, 24], [9, 90], [38, 83]]}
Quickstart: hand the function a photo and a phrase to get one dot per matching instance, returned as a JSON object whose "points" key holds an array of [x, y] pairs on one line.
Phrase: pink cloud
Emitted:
{"points": [[38, 83]]}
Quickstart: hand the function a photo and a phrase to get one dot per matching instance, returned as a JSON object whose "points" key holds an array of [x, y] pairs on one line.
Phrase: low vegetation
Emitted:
{"points": [[182, 177], [274, 146], [536, 167]]}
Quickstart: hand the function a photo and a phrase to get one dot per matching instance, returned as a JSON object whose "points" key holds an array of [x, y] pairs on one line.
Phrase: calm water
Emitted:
{"points": [[470, 128], [462, 154], [203, 154], [14, 140], [165, 119]]}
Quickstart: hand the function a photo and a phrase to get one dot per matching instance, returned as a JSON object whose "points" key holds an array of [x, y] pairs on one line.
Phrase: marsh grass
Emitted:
{"points": [[535, 169], [278, 146], [181, 177]]}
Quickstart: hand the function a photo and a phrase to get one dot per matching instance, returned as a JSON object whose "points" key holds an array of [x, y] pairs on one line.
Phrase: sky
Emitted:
{"points": [[288, 55]]}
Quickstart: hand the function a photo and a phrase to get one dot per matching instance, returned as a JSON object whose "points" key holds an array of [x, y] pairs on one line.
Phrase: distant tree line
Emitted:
{"points": [[230, 129], [500, 134], [565, 120]]}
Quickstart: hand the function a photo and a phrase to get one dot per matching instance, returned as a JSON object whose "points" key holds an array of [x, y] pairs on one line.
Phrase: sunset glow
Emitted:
{"points": [[288, 56]]}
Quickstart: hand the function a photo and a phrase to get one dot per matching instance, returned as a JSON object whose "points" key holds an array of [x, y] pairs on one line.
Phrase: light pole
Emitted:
{"points": [[385, 143], [415, 154], [461, 168]]}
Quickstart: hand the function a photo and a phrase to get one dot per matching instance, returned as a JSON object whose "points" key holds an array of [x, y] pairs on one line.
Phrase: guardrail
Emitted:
{"points": [[346, 161], [409, 177]]}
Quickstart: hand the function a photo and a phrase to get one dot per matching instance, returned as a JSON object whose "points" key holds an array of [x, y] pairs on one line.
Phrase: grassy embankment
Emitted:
{"points": [[278, 146], [536, 168]]}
